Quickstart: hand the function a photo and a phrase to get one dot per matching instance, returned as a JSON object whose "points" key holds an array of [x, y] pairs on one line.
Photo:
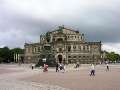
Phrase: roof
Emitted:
{"points": [[62, 30]]}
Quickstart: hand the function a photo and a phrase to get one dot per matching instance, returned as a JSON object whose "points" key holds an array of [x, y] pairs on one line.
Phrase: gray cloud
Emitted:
{"points": [[24, 21]]}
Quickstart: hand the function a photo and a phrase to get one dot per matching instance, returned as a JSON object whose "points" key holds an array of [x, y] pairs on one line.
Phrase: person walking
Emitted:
{"points": [[77, 65], [32, 66], [92, 72], [60, 66], [45, 68], [57, 67], [63, 68], [107, 66]]}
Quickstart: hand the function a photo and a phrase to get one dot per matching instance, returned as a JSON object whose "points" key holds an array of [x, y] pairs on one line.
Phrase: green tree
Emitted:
{"points": [[112, 56], [17, 50], [5, 54]]}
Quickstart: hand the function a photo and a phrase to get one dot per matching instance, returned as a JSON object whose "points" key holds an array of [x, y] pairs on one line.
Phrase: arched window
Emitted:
{"points": [[83, 47], [69, 48], [79, 47], [74, 47], [87, 47], [38, 49]]}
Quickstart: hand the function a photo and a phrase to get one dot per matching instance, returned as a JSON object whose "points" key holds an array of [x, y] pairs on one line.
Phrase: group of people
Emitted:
{"points": [[45, 67], [60, 67]]}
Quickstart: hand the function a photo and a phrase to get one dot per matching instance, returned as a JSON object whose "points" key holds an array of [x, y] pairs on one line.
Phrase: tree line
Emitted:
{"points": [[112, 56], [7, 54]]}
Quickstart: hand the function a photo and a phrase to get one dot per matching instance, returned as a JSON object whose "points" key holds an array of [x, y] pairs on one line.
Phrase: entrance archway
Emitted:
{"points": [[60, 58]]}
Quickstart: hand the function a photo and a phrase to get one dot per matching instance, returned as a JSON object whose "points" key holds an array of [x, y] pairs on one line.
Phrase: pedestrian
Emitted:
{"points": [[32, 66], [107, 66], [57, 67], [92, 72], [77, 65], [45, 68], [60, 66], [63, 68]]}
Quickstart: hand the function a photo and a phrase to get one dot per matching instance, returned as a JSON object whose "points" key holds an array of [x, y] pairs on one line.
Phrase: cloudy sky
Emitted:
{"points": [[24, 20]]}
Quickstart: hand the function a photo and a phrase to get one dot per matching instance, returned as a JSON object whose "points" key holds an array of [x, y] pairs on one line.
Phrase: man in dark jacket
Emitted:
{"points": [[57, 67]]}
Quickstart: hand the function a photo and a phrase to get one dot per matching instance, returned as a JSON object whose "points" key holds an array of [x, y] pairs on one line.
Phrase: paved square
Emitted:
{"points": [[14, 77], [80, 80]]}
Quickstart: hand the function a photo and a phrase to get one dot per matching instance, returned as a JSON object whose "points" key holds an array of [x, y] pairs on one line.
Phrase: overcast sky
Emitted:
{"points": [[24, 20]]}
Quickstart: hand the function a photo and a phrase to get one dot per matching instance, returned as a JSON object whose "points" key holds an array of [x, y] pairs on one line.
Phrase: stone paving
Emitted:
{"points": [[14, 77], [21, 85], [9, 79], [80, 79]]}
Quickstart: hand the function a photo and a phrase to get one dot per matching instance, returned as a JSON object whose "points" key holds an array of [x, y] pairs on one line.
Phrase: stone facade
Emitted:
{"points": [[65, 46]]}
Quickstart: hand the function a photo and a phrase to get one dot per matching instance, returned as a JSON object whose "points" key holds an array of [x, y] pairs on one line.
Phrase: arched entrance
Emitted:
{"points": [[60, 58]]}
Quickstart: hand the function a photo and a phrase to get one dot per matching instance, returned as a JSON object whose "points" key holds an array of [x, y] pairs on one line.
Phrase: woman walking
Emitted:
{"points": [[92, 72]]}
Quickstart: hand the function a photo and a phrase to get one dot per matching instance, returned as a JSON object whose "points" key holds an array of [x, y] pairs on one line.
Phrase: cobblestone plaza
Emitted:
{"points": [[14, 77]]}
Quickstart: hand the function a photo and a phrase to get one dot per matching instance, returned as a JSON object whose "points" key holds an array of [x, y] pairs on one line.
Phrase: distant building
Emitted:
{"points": [[64, 46]]}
